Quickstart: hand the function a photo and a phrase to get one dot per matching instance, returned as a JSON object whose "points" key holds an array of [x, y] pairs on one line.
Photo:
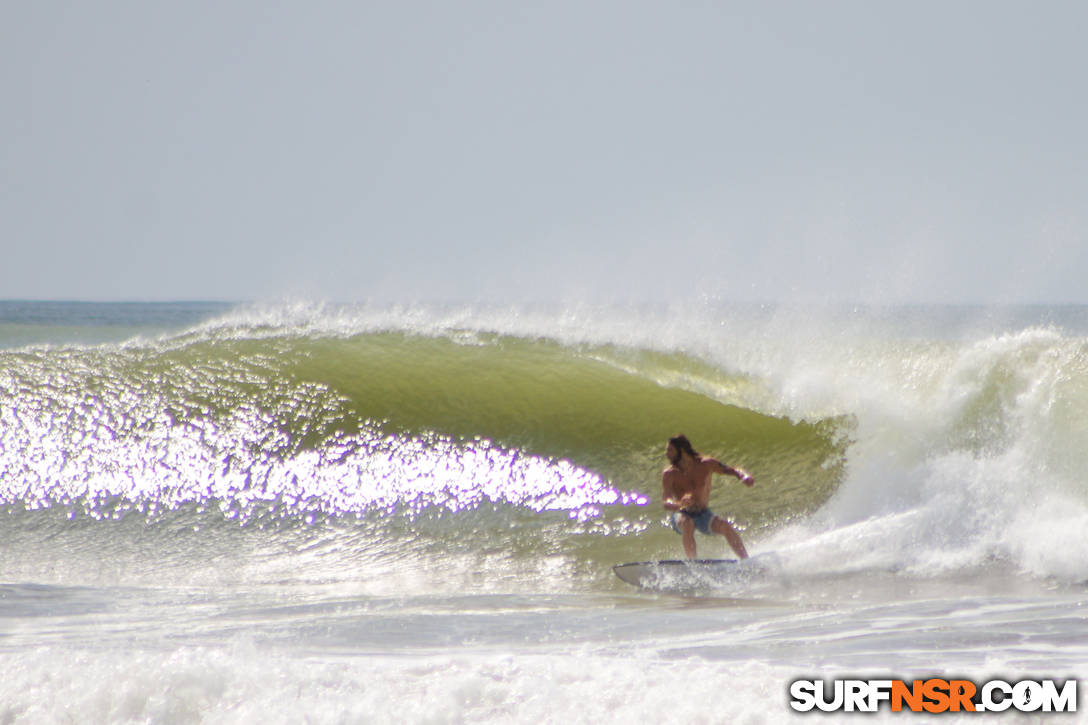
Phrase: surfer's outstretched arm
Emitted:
{"points": [[744, 476]]}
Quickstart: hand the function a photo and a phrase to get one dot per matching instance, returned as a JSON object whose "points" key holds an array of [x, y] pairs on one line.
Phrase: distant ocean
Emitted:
{"points": [[334, 514]]}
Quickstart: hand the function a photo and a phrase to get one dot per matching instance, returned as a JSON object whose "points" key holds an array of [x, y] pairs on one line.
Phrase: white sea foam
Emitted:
{"points": [[244, 684], [964, 453]]}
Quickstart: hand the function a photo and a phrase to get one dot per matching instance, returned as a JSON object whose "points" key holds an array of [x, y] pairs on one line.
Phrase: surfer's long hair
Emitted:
{"points": [[682, 444]]}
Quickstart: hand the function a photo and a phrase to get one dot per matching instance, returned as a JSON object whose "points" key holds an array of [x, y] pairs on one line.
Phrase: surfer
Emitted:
{"points": [[686, 492]]}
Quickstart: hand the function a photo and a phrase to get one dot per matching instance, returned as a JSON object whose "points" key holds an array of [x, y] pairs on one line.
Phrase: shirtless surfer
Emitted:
{"points": [[686, 492]]}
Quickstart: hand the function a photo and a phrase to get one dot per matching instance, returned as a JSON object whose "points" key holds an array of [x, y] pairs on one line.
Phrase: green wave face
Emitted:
{"points": [[604, 409], [374, 422]]}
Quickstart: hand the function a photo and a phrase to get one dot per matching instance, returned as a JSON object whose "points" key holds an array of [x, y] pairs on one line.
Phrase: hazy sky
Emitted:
{"points": [[252, 149]]}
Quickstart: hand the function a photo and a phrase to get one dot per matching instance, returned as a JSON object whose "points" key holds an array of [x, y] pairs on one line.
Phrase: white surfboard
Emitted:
{"points": [[680, 574]]}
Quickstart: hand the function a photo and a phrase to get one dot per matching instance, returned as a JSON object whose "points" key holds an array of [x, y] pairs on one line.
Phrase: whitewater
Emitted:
{"points": [[356, 513]]}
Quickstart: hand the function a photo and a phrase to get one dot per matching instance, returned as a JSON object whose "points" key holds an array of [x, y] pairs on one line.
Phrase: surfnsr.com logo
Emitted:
{"points": [[933, 695]]}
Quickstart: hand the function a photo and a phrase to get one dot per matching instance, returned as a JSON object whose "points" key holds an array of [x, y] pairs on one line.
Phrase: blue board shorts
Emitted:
{"points": [[702, 520]]}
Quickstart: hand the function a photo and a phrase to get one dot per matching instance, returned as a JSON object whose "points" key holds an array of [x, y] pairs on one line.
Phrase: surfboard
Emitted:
{"points": [[678, 574]]}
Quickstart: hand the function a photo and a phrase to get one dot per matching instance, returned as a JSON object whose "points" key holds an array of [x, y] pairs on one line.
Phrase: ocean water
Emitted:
{"points": [[333, 514]]}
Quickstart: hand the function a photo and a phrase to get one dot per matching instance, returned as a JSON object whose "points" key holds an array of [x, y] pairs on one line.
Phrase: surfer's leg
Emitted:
{"points": [[686, 527], [723, 527]]}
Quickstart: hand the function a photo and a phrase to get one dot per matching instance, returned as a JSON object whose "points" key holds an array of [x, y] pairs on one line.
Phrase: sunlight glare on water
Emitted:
{"points": [[132, 447]]}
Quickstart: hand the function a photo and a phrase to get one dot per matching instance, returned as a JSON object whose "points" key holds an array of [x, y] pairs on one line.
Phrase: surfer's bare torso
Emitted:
{"points": [[685, 490]]}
